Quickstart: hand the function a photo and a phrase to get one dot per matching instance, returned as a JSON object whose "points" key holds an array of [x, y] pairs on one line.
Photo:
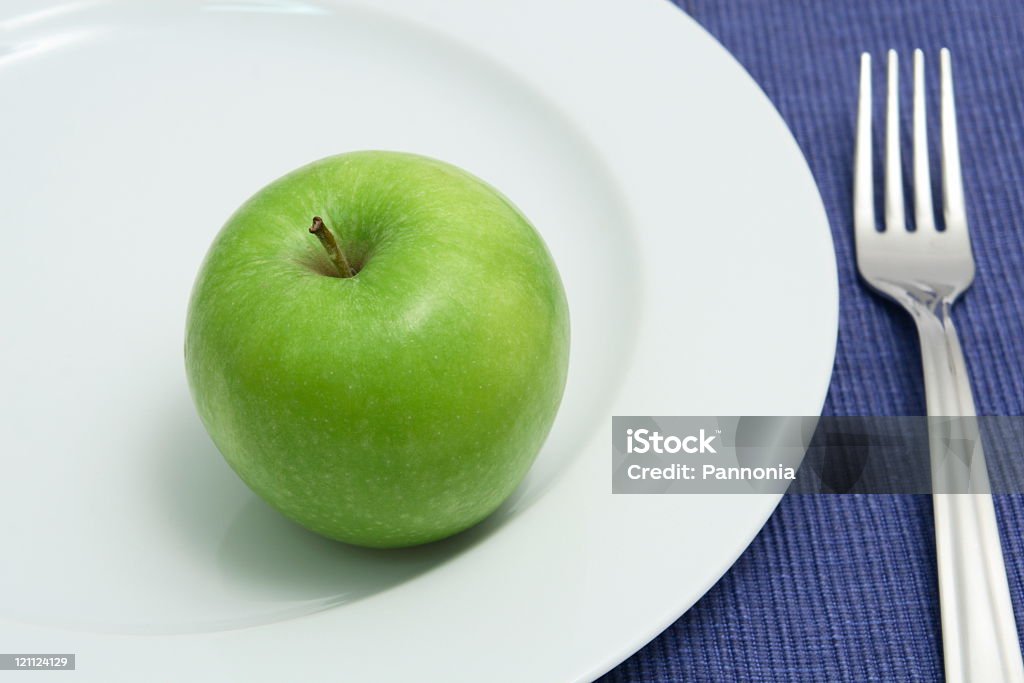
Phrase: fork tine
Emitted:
{"points": [[863, 177], [894, 218], [924, 214], [953, 208]]}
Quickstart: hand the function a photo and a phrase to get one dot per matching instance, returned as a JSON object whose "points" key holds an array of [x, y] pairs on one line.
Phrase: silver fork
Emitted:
{"points": [[925, 271]]}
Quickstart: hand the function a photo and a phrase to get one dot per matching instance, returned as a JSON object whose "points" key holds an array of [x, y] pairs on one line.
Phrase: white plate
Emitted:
{"points": [[688, 230]]}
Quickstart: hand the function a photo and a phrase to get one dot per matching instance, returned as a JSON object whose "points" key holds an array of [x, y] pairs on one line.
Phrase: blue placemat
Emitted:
{"points": [[844, 588]]}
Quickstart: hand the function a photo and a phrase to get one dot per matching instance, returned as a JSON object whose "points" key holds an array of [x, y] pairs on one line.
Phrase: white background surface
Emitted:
{"points": [[687, 228]]}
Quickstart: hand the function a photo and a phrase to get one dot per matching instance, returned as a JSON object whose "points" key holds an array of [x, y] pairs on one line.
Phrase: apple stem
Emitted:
{"points": [[326, 238]]}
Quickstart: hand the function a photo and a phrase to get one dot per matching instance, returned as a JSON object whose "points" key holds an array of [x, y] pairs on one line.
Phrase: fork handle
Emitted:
{"points": [[979, 633]]}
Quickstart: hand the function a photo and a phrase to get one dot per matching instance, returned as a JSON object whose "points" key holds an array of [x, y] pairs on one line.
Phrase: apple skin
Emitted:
{"points": [[398, 406]]}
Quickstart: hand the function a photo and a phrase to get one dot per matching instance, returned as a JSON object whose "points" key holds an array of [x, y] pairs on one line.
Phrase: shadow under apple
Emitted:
{"points": [[261, 555]]}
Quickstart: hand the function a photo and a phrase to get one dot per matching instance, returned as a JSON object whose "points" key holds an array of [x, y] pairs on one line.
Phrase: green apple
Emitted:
{"points": [[391, 382]]}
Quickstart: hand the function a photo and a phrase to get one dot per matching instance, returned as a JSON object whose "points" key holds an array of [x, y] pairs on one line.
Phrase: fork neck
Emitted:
{"points": [[947, 388], [921, 301]]}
